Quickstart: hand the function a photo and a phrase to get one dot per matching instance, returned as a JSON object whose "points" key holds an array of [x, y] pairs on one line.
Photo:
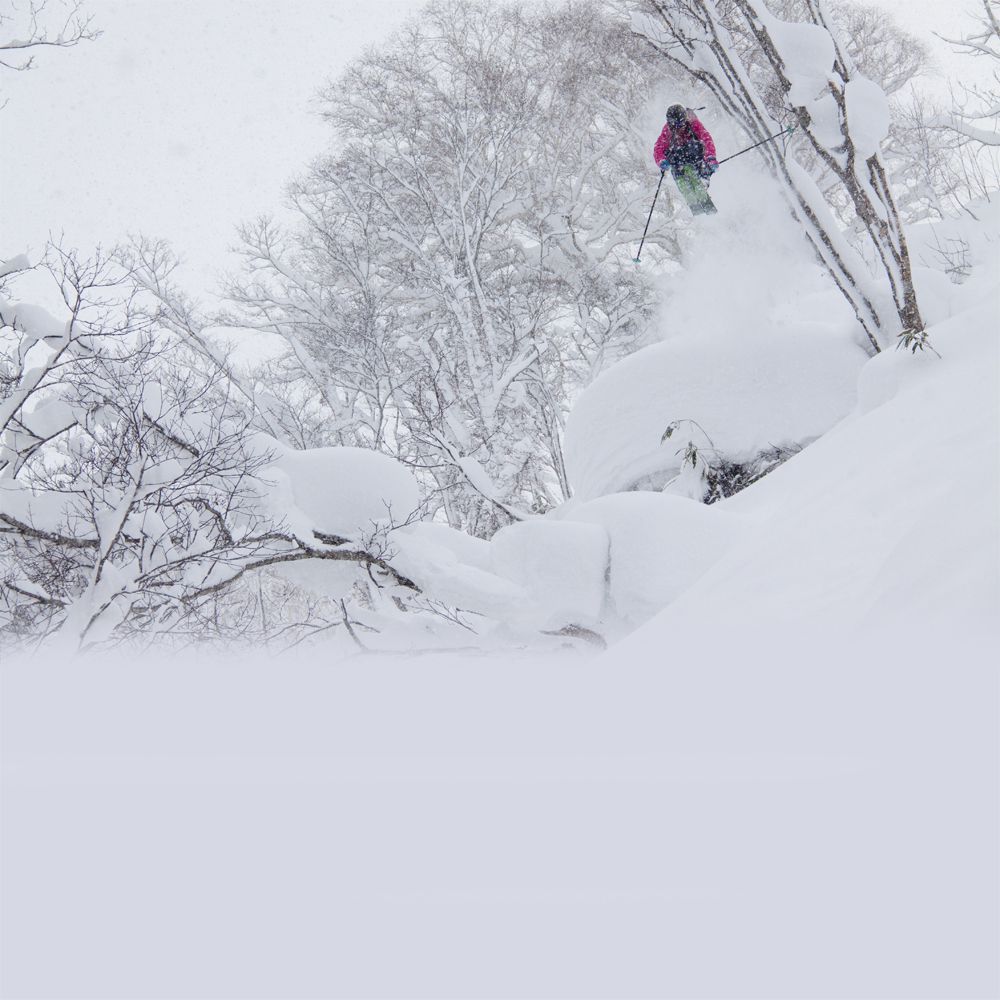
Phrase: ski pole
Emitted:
{"points": [[770, 138], [651, 207]]}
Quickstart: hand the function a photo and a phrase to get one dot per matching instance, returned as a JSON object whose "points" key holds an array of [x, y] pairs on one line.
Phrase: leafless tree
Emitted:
{"points": [[978, 114], [463, 262], [131, 471], [881, 49]]}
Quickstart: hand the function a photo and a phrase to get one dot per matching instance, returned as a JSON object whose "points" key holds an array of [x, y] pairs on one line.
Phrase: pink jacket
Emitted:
{"points": [[694, 129]]}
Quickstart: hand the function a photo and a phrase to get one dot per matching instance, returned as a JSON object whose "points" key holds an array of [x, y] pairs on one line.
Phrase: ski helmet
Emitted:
{"points": [[676, 115]]}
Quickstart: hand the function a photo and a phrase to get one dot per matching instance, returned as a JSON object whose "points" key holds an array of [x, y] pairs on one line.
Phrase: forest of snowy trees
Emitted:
{"points": [[371, 437]]}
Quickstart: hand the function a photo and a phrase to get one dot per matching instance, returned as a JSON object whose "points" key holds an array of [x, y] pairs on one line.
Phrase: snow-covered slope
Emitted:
{"points": [[748, 796], [892, 516]]}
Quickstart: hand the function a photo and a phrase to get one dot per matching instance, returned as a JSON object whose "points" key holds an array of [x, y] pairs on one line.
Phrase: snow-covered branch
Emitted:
{"points": [[135, 485], [42, 24], [977, 117]]}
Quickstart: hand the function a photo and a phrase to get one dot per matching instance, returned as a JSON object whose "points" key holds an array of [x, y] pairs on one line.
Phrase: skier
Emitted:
{"points": [[685, 141]]}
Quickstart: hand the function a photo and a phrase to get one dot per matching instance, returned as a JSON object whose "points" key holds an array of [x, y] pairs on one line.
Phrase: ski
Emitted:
{"points": [[694, 191]]}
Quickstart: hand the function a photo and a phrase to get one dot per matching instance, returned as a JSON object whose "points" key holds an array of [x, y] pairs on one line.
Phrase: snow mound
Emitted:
{"points": [[610, 564], [659, 546], [823, 814], [465, 548], [561, 566], [758, 349], [349, 492], [537, 574], [438, 561]]}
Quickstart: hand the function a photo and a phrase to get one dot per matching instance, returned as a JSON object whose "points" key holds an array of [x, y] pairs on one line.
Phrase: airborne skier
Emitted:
{"points": [[686, 148]]}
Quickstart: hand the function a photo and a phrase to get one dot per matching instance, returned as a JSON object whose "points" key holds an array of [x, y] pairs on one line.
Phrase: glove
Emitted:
{"points": [[706, 169], [664, 165], [711, 165]]}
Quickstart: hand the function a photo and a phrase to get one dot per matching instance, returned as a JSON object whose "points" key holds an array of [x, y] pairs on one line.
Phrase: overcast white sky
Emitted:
{"points": [[184, 118], [188, 116]]}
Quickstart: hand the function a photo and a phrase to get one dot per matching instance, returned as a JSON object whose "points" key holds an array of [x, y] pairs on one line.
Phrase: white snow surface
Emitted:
{"points": [[437, 566], [465, 548], [538, 574], [820, 812], [351, 493], [608, 565], [613, 562], [757, 348], [826, 531], [784, 784]]}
